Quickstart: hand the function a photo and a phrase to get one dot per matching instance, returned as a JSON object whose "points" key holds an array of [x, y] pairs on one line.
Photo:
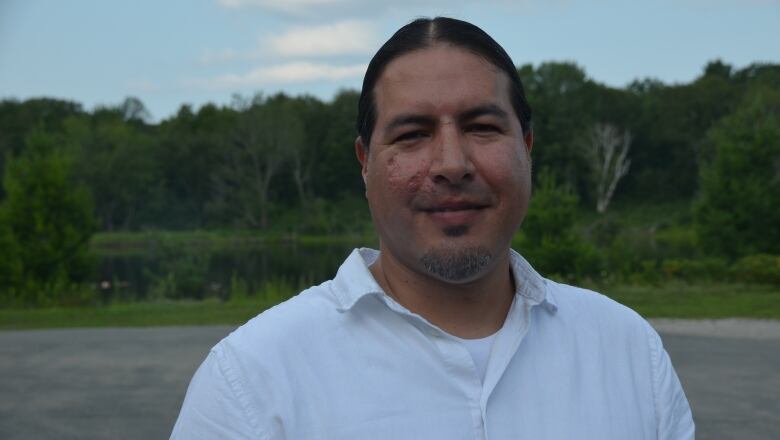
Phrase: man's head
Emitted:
{"points": [[444, 148], [425, 32]]}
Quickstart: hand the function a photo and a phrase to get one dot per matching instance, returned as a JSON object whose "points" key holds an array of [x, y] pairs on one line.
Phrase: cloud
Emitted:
{"points": [[349, 37], [346, 37], [288, 6], [297, 72], [210, 56], [142, 86], [319, 9]]}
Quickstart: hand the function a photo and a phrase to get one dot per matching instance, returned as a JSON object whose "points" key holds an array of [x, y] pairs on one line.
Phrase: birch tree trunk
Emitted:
{"points": [[607, 152]]}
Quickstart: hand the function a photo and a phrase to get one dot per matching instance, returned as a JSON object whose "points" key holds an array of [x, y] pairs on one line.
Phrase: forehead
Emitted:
{"points": [[441, 79]]}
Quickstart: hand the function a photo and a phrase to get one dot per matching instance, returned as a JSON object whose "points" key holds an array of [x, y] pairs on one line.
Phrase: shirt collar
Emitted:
{"points": [[529, 284], [354, 281]]}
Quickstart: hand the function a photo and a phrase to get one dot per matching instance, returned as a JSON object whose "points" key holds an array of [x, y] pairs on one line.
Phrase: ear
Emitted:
{"points": [[529, 140], [361, 151]]}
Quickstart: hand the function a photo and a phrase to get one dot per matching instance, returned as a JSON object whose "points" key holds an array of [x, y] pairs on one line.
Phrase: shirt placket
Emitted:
{"points": [[456, 360], [504, 348]]}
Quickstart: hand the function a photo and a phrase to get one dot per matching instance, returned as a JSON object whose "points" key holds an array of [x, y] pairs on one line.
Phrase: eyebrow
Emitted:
{"points": [[472, 113], [483, 110], [408, 119]]}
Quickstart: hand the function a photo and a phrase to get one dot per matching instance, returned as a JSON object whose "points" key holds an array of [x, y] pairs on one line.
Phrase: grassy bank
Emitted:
{"points": [[142, 314], [126, 241], [699, 301], [673, 300]]}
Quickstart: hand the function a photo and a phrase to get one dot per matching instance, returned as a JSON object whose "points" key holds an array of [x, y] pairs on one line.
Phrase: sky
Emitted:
{"points": [[173, 52]]}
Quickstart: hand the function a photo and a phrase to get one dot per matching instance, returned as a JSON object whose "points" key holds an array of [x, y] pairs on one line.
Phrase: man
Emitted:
{"points": [[445, 333]]}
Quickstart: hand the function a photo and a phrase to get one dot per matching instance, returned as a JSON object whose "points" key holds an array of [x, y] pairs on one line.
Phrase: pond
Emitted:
{"points": [[198, 273]]}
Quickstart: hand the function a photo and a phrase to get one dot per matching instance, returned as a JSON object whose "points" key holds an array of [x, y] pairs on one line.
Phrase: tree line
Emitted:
{"points": [[284, 163]]}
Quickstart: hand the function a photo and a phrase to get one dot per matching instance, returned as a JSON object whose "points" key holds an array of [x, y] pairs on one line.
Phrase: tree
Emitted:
{"points": [[46, 220], [260, 144], [17, 119], [737, 211], [306, 115], [337, 170], [547, 236], [607, 150], [133, 109], [188, 149], [118, 162]]}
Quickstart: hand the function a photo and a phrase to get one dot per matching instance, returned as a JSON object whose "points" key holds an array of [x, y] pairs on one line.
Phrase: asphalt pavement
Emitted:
{"points": [[129, 383]]}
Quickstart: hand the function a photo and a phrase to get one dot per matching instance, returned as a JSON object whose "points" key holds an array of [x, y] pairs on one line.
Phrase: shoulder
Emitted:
{"points": [[298, 320], [243, 383], [588, 309]]}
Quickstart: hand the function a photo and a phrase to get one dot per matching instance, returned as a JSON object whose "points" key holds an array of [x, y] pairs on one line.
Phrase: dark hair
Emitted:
{"points": [[425, 32]]}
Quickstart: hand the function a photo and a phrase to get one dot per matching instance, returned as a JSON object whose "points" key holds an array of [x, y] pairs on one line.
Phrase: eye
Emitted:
{"points": [[483, 129], [411, 136]]}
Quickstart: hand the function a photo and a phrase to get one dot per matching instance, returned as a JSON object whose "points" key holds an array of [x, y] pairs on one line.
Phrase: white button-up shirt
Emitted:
{"points": [[343, 360]]}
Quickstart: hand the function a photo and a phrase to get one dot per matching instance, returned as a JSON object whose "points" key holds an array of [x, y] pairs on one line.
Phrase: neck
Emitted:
{"points": [[471, 310]]}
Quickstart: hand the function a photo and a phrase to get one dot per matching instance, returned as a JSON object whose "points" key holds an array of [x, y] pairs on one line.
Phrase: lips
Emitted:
{"points": [[453, 206], [453, 213]]}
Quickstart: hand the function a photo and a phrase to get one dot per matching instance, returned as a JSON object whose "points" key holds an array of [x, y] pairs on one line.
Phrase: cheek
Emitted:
{"points": [[405, 174], [505, 169]]}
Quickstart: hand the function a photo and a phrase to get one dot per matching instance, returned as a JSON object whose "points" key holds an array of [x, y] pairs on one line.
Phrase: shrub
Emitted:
{"points": [[548, 239], [45, 223], [736, 213], [761, 268], [707, 269], [182, 272]]}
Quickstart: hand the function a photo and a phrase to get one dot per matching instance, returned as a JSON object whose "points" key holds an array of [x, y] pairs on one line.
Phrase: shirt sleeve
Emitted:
{"points": [[213, 408], [673, 413]]}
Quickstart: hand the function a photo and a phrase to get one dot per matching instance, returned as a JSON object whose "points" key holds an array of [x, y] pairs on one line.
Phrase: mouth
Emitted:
{"points": [[451, 214], [454, 207]]}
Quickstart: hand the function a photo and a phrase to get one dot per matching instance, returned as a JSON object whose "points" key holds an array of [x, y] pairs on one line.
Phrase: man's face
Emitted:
{"points": [[447, 173]]}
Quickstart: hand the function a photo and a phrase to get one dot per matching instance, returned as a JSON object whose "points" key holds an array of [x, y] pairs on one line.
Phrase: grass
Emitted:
{"points": [[699, 301], [672, 300], [142, 314]]}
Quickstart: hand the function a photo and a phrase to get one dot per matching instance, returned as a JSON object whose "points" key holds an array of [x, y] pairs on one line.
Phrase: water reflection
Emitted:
{"points": [[199, 273]]}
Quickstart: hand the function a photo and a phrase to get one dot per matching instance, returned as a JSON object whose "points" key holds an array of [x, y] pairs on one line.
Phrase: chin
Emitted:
{"points": [[454, 263]]}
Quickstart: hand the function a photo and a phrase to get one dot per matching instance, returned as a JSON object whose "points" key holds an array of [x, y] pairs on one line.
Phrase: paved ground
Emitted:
{"points": [[129, 383]]}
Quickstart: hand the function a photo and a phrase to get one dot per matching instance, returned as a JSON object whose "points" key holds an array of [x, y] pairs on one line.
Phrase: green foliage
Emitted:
{"points": [[19, 119], [270, 292], [118, 164], [268, 134], [737, 212], [548, 238], [709, 269], [182, 275], [348, 215], [45, 223], [190, 171], [761, 268], [286, 165]]}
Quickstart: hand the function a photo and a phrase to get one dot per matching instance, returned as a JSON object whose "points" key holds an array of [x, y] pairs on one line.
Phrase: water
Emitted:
{"points": [[199, 273]]}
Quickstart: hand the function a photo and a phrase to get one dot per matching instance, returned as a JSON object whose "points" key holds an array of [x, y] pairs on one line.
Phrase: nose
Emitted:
{"points": [[451, 163]]}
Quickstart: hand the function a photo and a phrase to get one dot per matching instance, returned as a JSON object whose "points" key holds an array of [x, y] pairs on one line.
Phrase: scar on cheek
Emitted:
{"points": [[392, 168], [415, 181]]}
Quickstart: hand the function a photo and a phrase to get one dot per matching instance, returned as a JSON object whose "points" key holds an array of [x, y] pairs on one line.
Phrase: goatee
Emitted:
{"points": [[456, 263]]}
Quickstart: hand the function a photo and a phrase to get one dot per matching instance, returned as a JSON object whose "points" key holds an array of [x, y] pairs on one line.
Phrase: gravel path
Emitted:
{"points": [[129, 383]]}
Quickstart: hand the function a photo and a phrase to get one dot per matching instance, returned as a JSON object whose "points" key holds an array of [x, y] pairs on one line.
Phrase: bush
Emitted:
{"points": [[761, 268], [45, 224], [347, 215], [707, 269], [32, 293], [182, 273], [548, 239], [736, 213]]}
